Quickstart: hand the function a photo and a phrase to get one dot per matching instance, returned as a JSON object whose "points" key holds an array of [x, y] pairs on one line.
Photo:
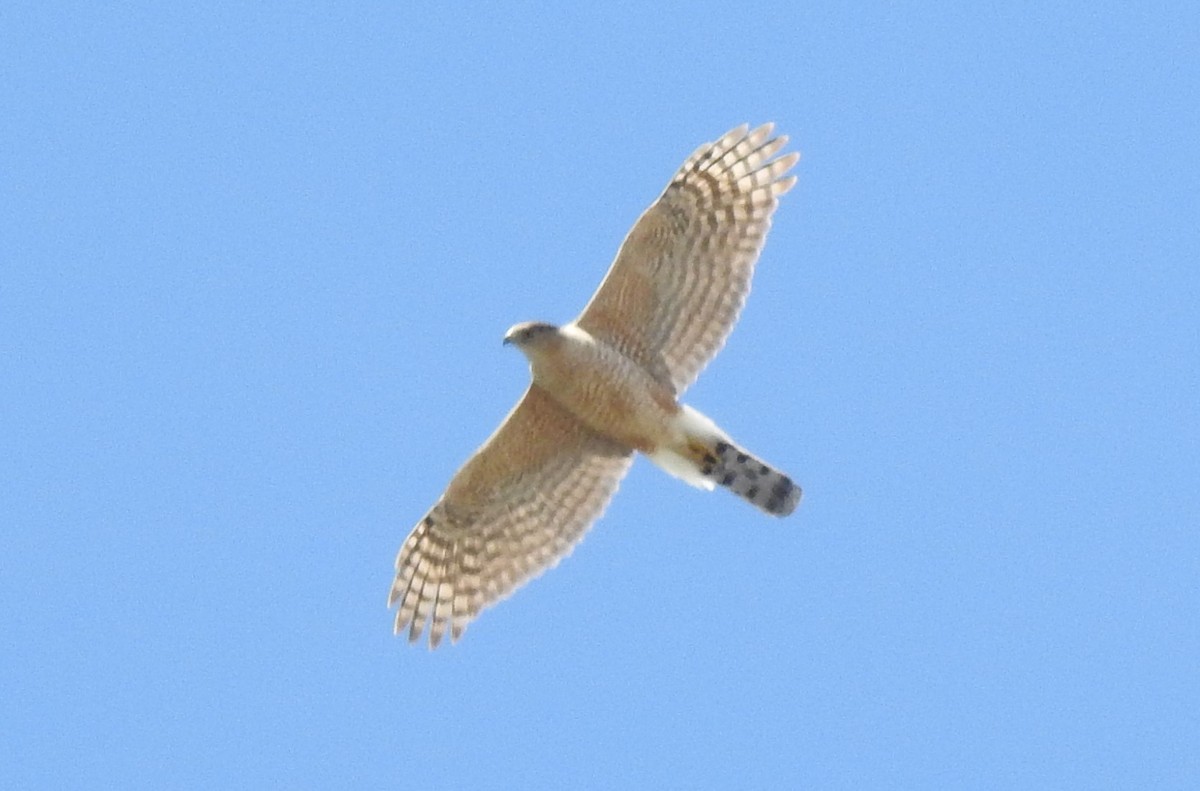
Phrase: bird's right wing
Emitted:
{"points": [[516, 508]]}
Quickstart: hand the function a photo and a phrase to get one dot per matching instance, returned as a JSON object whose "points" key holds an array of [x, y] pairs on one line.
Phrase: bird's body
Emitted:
{"points": [[616, 398], [610, 393], [603, 387]]}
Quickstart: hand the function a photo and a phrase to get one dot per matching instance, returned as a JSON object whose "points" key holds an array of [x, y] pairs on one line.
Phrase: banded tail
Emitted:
{"points": [[708, 458], [755, 481]]}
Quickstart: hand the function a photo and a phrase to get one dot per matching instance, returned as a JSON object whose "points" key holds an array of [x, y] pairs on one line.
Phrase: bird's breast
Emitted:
{"points": [[606, 390]]}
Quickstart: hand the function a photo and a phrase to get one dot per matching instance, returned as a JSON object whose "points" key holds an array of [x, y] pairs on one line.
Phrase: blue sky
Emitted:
{"points": [[255, 266]]}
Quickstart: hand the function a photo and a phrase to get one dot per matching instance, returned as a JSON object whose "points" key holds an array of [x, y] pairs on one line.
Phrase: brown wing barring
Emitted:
{"points": [[516, 508], [678, 283]]}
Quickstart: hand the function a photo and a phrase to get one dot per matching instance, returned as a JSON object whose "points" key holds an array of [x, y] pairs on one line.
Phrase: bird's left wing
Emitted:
{"points": [[675, 289], [516, 508]]}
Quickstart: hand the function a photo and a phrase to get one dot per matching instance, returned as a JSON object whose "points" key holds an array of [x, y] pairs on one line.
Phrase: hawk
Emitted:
{"points": [[603, 386]]}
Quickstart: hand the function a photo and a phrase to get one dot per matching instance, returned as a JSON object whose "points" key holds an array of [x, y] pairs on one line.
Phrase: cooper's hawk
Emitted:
{"points": [[603, 386]]}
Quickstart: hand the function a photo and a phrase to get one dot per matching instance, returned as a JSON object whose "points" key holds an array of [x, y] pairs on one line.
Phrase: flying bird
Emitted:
{"points": [[604, 386]]}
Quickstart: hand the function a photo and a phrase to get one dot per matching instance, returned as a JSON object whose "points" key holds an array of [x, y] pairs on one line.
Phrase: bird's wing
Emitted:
{"points": [[516, 508], [676, 287]]}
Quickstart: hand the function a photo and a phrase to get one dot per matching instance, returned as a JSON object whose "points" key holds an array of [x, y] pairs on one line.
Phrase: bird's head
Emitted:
{"points": [[529, 334]]}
